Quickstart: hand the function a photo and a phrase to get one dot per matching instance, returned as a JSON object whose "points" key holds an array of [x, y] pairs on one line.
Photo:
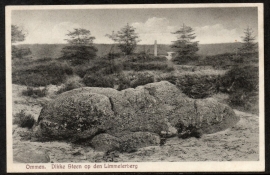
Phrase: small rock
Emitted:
{"points": [[77, 153]]}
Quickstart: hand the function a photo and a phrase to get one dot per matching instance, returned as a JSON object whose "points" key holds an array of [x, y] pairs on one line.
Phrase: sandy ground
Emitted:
{"points": [[239, 143]]}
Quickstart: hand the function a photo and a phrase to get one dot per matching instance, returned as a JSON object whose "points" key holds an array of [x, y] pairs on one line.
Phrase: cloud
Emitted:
{"points": [[160, 29], [216, 34], [60, 30], [155, 29], [39, 32]]}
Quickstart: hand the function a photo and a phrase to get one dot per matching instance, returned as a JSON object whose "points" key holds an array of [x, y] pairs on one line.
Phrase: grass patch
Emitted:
{"points": [[100, 65], [186, 60], [70, 84], [198, 86], [153, 65], [169, 77], [35, 92], [222, 61], [135, 79], [123, 82], [244, 78], [107, 71], [141, 62], [24, 120], [143, 58], [228, 60], [98, 80], [142, 79], [242, 85], [41, 73]]}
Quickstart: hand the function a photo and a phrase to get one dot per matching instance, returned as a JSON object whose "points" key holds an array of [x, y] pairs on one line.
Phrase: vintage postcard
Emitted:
{"points": [[135, 88]]}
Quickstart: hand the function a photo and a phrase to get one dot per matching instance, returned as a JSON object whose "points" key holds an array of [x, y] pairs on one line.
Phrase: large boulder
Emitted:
{"points": [[133, 141], [127, 143], [160, 109], [105, 142]]}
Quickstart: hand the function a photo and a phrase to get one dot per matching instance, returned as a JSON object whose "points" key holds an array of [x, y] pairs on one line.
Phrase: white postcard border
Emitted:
{"points": [[208, 166]]}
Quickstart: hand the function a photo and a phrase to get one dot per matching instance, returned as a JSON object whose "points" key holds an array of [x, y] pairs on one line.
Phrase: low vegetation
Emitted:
{"points": [[23, 120], [196, 75], [186, 60], [242, 85], [141, 62], [228, 60], [35, 92], [135, 79], [142, 79], [244, 78], [72, 83], [41, 73], [240, 82], [98, 80], [198, 86], [168, 77], [123, 82]]}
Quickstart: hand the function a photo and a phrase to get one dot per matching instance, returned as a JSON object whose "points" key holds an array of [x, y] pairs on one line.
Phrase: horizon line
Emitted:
{"points": [[114, 43]]}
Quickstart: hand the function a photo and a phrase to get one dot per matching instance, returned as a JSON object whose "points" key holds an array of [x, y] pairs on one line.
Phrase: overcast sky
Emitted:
{"points": [[211, 25]]}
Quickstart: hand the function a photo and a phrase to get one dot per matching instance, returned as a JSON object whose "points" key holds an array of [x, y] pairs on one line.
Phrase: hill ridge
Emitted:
{"points": [[54, 50]]}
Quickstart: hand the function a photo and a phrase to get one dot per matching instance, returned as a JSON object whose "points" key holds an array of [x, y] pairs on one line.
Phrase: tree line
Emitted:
{"points": [[80, 46]]}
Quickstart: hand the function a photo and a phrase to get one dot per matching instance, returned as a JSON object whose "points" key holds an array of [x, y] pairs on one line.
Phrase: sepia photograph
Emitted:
{"points": [[164, 87]]}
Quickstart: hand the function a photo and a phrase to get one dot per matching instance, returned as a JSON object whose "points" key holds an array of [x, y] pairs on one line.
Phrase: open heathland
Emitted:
{"points": [[136, 108]]}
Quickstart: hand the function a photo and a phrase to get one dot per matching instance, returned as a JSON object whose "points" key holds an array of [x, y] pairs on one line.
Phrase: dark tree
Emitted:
{"points": [[80, 47], [185, 47], [126, 38], [18, 35], [249, 46]]}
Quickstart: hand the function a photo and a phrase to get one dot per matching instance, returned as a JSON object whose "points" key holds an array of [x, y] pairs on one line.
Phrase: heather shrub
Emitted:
{"points": [[101, 65], [42, 74], [141, 62], [24, 120], [142, 79], [20, 53], [35, 92], [185, 59], [81, 70], [98, 80], [142, 57], [245, 78], [154, 65], [123, 82], [111, 68], [70, 84], [133, 80], [170, 78], [198, 86], [228, 60], [242, 84], [245, 101], [185, 132], [221, 61]]}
